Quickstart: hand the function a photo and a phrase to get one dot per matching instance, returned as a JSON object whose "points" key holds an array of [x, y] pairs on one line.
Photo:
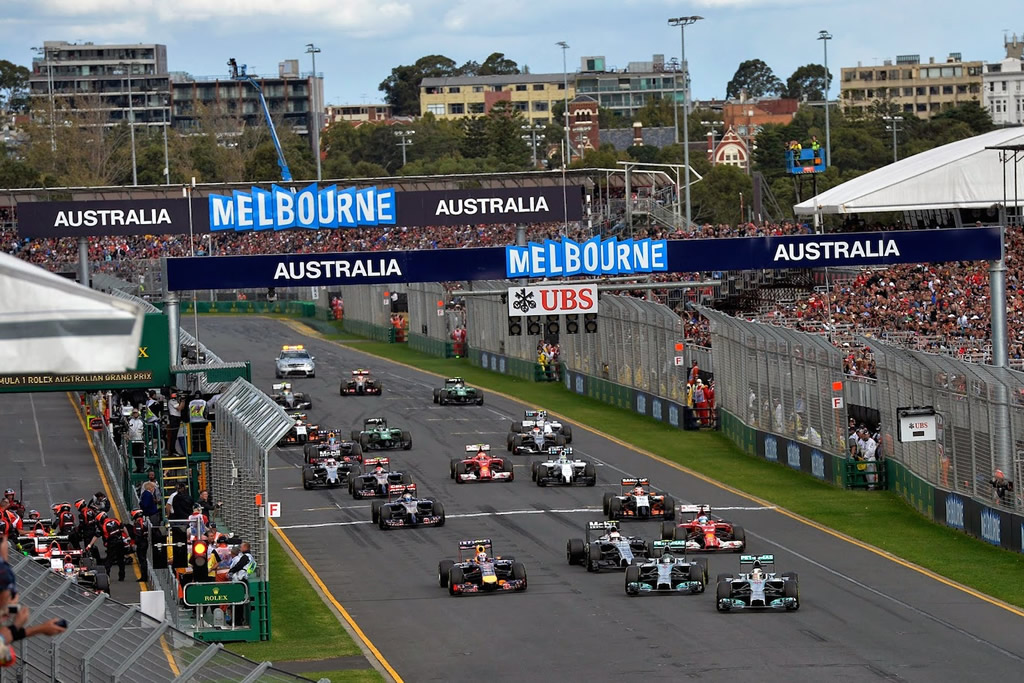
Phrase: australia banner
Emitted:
{"points": [[312, 207], [594, 257]]}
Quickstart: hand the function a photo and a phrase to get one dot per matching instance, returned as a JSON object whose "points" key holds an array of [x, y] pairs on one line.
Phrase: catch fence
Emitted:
{"points": [[107, 641]]}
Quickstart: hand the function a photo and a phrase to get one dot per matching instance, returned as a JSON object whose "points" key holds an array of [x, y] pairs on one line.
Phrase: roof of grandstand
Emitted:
{"points": [[966, 174]]}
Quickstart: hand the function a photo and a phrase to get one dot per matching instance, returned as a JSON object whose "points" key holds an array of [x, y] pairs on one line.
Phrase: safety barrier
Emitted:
{"points": [[108, 641]]}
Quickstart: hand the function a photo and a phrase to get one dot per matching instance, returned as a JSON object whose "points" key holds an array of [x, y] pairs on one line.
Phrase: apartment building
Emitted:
{"points": [[290, 98], [1004, 85], [457, 97], [118, 82], [915, 88], [626, 91], [333, 113]]}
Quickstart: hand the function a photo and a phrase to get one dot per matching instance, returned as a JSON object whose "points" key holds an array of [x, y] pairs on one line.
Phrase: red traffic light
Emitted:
{"points": [[199, 548]]}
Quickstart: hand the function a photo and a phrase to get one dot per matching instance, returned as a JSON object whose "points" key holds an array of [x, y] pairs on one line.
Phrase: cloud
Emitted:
{"points": [[352, 17]]}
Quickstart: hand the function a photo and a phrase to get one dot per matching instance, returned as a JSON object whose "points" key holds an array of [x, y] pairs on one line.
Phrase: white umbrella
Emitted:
{"points": [[49, 324]]}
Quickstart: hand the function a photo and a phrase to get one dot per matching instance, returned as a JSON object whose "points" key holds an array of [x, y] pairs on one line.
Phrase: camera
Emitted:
{"points": [[13, 609]]}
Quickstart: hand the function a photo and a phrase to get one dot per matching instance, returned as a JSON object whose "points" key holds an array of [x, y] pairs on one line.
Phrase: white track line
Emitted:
{"points": [[465, 515]]}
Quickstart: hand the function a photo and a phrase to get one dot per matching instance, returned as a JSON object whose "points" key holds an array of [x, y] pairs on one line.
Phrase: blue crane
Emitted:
{"points": [[238, 73]]}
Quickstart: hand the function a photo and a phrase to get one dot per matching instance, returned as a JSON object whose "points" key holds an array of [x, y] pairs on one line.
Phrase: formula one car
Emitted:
{"points": [[41, 549], [759, 588], [283, 395], [332, 447], [538, 440], [477, 571], [455, 390], [539, 418], [295, 361], [301, 432], [377, 436], [701, 533], [638, 501], [605, 548], [562, 469], [76, 566], [404, 509], [327, 473], [376, 477], [481, 466], [361, 383], [667, 572]]}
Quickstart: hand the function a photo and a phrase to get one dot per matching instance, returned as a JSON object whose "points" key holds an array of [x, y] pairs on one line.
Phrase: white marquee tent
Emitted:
{"points": [[49, 324], [960, 175]]}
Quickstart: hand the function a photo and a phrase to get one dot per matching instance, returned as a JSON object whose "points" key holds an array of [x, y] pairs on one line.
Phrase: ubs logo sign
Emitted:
{"points": [[771, 449], [641, 404], [656, 409], [991, 527], [673, 415], [818, 465], [955, 511], [579, 384], [793, 455]]}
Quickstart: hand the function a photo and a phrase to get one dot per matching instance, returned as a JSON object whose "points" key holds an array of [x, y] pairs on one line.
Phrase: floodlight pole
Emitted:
{"points": [[682, 23], [824, 37], [314, 120], [565, 115]]}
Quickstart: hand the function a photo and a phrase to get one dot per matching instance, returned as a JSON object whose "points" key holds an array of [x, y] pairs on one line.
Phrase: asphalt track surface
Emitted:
{"points": [[863, 617], [44, 452]]}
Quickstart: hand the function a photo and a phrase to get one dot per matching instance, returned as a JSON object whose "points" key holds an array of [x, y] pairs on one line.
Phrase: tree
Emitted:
{"points": [[643, 153], [16, 173], [807, 83], [756, 79], [13, 86], [402, 88], [977, 118], [717, 197], [497, 64], [474, 139], [504, 130]]}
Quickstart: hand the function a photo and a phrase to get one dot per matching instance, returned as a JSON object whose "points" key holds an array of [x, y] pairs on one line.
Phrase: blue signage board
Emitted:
{"points": [[592, 257]]}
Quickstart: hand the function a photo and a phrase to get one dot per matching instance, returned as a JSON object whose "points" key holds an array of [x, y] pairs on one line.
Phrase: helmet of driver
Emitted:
{"points": [[614, 535], [481, 557], [666, 559], [407, 497], [638, 491], [756, 574], [703, 519]]}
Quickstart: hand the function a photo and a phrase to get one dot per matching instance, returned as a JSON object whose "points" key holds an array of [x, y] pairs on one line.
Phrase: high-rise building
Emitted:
{"points": [[289, 97], [1004, 85], [910, 86], [626, 91], [99, 78]]}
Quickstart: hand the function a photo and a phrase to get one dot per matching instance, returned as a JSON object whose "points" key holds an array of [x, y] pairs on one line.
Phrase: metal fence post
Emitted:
{"points": [[256, 674]]}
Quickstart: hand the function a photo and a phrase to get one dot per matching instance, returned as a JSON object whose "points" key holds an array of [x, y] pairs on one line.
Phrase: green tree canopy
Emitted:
{"points": [[807, 83], [402, 88], [496, 63], [756, 79], [13, 86]]}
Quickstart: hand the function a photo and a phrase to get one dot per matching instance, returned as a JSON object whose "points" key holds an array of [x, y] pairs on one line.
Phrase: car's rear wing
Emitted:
{"points": [[360, 373], [636, 481], [455, 380], [696, 509], [477, 447], [560, 450], [534, 414], [603, 525], [374, 421], [281, 386], [479, 545], [397, 490], [759, 559], [373, 462]]}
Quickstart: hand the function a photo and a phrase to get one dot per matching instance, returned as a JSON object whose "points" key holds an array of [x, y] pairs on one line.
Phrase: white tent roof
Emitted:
{"points": [[49, 324], [962, 174]]}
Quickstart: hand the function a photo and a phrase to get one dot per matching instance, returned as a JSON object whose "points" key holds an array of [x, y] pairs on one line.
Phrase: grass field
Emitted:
{"points": [[879, 518], [296, 612]]}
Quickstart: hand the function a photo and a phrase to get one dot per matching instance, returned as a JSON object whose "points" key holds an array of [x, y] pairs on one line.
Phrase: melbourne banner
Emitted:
{"points": [[591, 257], [115, 217]]}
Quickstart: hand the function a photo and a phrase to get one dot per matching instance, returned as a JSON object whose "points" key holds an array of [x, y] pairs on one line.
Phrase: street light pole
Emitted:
{"points": [[532, 129], [682, 23], [675, 99], [312, 50], [565, 115], [824, 37], [404, 141], [131, 126], [167, 159], [893, 125]]}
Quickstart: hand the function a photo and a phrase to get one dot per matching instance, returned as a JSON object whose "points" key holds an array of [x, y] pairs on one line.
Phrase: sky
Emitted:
{"points": [[361, 40]]}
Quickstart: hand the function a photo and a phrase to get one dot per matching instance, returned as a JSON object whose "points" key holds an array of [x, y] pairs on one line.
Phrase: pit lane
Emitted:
{"points": [[864, 617]]}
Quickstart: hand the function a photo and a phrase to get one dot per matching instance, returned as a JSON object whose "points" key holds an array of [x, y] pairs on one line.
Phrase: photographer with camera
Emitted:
{"points": [[14, 616]]}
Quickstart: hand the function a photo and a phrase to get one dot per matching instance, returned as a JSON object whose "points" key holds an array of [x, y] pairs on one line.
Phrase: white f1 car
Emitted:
{"points": [[539, 418], [759, 588], [562, 469]]}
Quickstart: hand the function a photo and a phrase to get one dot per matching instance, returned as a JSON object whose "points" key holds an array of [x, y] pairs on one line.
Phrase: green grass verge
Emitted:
{"points": [[879, 518], [347, 676], [296, 611]]}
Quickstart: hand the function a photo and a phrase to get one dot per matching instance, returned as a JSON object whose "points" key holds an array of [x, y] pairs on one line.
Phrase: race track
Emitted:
{"points": [[863, 617]]}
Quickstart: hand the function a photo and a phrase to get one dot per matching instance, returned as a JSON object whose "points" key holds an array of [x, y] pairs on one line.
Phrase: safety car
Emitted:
{"points": [[375, 478], [539, 418], [760, 588], [562, 469], [639, 501], [332, 447], [604, 547], [667, 571], [404, 509], [455, 390], [361, 383], [294, 361], [376, 435], [702, 533], [302, 431], [481, 466], [479, 571], [285, 396]]}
